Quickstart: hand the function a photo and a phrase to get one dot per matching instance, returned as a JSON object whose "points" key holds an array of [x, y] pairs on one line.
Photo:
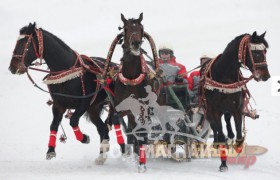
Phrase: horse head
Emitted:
{"points": [[255, 58], [25, 51], [133, 34]]}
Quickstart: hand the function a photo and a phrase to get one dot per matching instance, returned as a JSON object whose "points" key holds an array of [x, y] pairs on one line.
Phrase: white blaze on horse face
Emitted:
{"points": [[259, 47], [21, 37], [257, 75], [135, 52]]}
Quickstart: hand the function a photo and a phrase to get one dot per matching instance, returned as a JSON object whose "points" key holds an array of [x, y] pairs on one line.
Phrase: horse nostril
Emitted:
{"points": [[266, 77], [11, 70]]}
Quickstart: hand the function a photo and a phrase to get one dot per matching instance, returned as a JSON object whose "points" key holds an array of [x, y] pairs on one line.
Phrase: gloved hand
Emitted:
{"points": [[179, 79]]}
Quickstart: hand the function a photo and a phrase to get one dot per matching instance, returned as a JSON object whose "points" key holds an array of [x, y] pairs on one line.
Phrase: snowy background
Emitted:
{"points": [[89, 26]]}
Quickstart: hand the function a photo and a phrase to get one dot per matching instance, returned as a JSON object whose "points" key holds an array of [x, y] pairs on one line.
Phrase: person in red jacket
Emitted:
{"points": [[172, 70], [194, 77]]}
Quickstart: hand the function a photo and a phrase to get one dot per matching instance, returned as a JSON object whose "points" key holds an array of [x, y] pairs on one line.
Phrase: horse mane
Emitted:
{"points": [[234, 41], [60, 42], [29, 30], [23, 30]]}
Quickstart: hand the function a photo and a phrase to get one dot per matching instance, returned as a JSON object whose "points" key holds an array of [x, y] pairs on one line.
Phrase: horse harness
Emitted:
{"points": [[77, 70], [39, 54], [207, 82]]}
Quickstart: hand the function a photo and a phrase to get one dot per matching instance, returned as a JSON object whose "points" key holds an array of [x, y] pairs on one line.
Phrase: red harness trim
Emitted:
{"points": [[243, 46], [107, 88], [41, 45], [64, 73], [207, 80], [137, 80]]}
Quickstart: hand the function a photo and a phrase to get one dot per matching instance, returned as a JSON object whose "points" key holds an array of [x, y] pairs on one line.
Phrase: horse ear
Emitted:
{"points": [[140, 17], [263, 34], [254, 34], [30, 28], [34, 25], [123, 19]]}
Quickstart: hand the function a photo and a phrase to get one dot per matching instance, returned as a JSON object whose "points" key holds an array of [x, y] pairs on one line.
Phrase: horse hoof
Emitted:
{"points": [[101, 159], [142, 168], [104, 145], [85, 139], [223, 168], [50, 155], [215, 145], [229, 141]]}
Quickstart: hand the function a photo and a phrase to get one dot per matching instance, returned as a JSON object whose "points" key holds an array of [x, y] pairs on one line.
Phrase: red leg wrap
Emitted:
{"points": [[142, 155], [79, 135], [52, 139], [119, 134], [223, 153]]}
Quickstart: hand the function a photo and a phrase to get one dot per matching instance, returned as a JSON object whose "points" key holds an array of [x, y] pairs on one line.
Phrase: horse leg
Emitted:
{"points": [[238, 126], [116, 122], [74, 123], [115, 119], [142, 153], [227, 117], [222, 141], [103, 131], [215, 133], [58, 112], [216, 124], [131, 139]]}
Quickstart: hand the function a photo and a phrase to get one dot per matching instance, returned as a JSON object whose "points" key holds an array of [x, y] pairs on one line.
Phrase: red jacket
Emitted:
{"points": [[190, 79], [182, 69]]}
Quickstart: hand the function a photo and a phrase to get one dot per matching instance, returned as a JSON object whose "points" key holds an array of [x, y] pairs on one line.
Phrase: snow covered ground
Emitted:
{"points": [[193, 27]]}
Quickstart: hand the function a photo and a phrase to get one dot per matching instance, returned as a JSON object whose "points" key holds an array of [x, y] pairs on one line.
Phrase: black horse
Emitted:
{"points": [[68, 76], [132, 78], [224, 88]]}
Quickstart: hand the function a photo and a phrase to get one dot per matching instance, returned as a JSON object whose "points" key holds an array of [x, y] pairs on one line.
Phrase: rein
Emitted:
{"points": [[76, 70], [243, 46], [39, 54], [61, 94]]}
